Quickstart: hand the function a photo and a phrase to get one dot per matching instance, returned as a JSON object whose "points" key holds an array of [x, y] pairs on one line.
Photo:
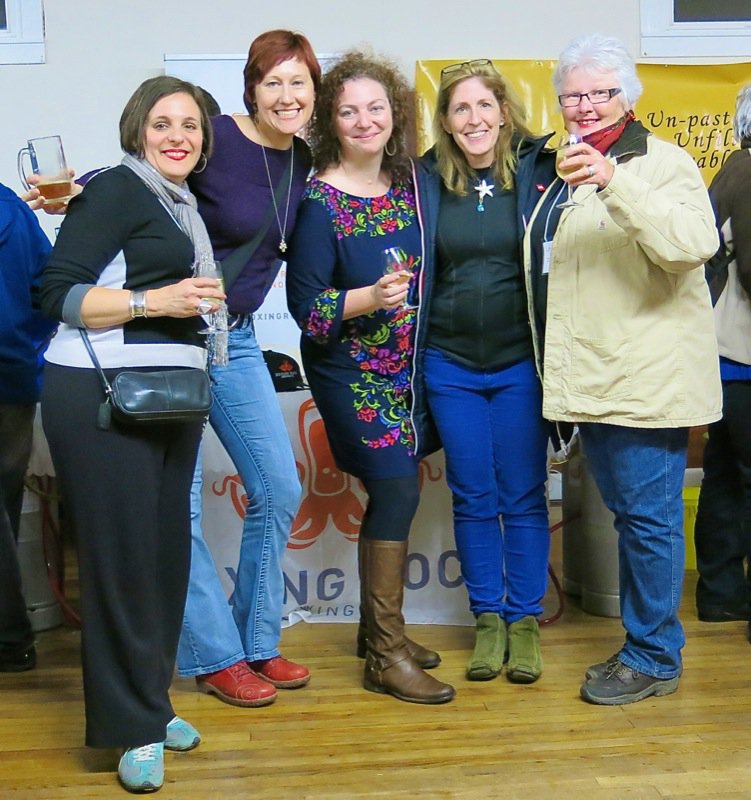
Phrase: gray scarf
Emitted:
{"points": [[182, 205]]}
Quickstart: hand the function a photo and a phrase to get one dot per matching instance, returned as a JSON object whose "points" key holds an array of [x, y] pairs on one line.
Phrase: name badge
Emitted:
{"points": [[547, 256]]}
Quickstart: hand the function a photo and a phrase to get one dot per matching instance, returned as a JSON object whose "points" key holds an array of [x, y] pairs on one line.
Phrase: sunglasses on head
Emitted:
{"points": [[476, 62]]}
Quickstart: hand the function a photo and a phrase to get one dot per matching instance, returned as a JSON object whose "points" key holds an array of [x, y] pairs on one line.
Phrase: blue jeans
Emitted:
{"points": [[495, 440], [248, 420], [640, 472]]}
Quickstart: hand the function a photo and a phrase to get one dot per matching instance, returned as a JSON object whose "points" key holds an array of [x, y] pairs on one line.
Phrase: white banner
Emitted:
{"points": [[320, 568]]}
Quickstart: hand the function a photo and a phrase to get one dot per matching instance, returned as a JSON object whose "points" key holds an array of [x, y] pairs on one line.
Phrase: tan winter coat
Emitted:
{"points": [[629, 338]]}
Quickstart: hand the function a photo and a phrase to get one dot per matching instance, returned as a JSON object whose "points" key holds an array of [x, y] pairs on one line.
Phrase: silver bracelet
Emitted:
{"points": [[137, 304]]}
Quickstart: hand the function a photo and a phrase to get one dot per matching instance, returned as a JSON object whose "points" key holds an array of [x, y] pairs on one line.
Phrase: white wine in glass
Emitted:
{"points": [[565, 141], [396, 261]]}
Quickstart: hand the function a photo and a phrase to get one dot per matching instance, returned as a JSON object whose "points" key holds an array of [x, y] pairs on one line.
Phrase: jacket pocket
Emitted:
{"points": [[607, 236], [601, 368]]}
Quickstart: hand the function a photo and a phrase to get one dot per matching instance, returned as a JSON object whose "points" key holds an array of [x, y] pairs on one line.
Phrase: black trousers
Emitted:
{"points": [[723, 519], [16, 425], [127, 492]]}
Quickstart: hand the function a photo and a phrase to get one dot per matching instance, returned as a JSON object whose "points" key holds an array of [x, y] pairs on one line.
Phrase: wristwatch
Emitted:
{"points": [[137, 304]]}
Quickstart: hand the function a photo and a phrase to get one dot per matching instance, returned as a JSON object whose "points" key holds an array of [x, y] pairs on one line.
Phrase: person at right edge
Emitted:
{"points": [[723, 520], [629, 346]]}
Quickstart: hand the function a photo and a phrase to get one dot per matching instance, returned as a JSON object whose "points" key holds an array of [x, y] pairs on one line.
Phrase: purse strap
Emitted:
{"points": [[104, 415], [233, 264], [97, 366]]}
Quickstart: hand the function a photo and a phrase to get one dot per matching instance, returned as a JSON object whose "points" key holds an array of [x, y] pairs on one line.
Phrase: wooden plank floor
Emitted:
{"points": [[334, 740]]}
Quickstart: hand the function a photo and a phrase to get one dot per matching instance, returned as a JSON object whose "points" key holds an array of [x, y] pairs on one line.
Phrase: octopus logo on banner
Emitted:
{"points": [[328, 493], [332, 499]]}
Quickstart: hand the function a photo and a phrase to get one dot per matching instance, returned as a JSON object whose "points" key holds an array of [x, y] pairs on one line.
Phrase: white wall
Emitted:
{"points": [[98, 51]]}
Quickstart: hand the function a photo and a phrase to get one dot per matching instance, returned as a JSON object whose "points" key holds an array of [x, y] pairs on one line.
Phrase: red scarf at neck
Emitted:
{"points": [[605, 138]]}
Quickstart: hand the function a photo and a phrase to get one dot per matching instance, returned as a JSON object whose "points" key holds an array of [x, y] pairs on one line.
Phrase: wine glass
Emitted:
{"points": [[216, 320], [396, 261], [564, 142]]}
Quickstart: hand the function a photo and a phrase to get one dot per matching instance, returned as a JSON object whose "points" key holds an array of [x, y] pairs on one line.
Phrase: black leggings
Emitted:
{"points": [[392, 504]]}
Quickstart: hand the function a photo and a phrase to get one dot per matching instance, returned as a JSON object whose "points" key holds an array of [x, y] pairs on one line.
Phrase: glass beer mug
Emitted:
{"points": [[48, 163]]}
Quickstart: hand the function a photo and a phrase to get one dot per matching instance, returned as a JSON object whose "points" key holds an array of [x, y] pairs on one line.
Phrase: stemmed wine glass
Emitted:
{"points": [[396, 261], [215, 318], [564, 142]]}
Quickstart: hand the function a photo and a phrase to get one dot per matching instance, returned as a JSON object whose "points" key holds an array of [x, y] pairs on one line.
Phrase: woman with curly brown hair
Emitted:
{"points": [[357, 339]]}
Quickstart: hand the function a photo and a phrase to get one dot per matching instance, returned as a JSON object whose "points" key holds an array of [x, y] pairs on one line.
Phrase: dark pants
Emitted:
{"points": [[723, 519], [16, 425], [126, 492]]}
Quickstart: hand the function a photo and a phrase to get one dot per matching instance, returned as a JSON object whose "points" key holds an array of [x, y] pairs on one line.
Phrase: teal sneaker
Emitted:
{"points": [[181, 735], [141, 769]]}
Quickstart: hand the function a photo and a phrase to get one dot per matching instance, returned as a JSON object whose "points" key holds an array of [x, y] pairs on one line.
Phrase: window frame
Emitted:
{"points": [[22, 42], [661, 35]]}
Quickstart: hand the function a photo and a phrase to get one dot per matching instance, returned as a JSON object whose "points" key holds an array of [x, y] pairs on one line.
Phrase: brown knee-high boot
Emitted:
{"points": [[427, 659], [389, 668]]}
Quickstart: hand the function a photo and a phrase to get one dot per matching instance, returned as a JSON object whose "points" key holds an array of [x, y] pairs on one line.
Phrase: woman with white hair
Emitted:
{"points": [[723, 520], [629, 352]]}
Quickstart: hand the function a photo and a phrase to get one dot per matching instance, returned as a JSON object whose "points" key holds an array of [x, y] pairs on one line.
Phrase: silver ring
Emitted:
{"points": [[204, 306], [590, 170]]}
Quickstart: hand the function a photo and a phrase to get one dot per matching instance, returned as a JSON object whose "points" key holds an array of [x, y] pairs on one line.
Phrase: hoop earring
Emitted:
{"points": [[393, 148], [205, 164]]}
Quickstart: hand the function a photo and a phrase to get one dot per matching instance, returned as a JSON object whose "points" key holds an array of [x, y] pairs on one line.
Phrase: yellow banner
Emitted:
{"points": [[691, 106]]}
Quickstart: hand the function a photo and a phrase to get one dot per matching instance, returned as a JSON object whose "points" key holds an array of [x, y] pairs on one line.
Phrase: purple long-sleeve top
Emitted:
{"points": [[234, 198]]}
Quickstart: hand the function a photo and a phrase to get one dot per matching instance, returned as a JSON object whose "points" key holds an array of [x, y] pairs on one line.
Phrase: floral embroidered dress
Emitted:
{"points": [[358, 369]]}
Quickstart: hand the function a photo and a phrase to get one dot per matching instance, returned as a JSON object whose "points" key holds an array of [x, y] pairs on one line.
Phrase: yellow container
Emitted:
{"points": [[690, 504]]}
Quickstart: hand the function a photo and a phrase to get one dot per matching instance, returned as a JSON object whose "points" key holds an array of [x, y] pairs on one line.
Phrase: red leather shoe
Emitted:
{"points": [[281, 673], [238, 686]]}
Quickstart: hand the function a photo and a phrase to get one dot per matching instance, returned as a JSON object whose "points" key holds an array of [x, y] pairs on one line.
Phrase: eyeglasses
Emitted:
{"points": [[596, 96], [477, 62]]}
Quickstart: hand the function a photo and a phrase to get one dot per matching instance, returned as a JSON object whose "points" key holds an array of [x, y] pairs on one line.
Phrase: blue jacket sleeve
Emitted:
{"points": [[24, 330]]}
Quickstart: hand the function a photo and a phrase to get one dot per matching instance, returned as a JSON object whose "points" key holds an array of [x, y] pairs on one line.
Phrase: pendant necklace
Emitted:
{"points": [[282, 228], [483, 189]]}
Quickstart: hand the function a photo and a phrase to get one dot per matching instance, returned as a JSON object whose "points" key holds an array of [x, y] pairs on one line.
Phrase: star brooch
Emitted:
{"points": [[483, 189]]}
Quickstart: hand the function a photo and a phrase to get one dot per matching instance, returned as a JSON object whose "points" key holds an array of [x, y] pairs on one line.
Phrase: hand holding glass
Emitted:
{"points": [[396, 261], [48, 163], [565, 141]]}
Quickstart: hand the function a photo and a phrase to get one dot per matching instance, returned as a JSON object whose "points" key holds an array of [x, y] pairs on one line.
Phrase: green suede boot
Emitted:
{"points": [[490, 647], [524, 657]]}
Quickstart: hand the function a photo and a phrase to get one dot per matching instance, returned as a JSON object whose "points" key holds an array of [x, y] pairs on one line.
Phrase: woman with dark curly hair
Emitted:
{"points": [[357, 339]]}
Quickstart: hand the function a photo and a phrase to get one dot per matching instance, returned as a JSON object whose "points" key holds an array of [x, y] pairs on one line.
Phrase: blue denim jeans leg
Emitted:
{"points": [[640, 473], [209, 640], [248, 420], [494, 437]]}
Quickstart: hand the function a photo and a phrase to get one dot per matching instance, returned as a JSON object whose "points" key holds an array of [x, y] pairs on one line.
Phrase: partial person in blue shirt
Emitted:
{"points": [[24, 333]]}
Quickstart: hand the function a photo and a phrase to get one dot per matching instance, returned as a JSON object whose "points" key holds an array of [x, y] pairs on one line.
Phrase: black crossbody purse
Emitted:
{"points": [[142, 398]]}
